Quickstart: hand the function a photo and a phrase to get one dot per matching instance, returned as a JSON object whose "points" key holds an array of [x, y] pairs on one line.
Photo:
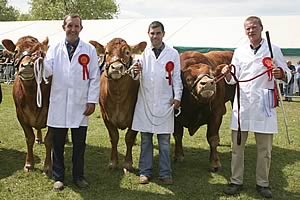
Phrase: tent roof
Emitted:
{"points": [[184, 33]]}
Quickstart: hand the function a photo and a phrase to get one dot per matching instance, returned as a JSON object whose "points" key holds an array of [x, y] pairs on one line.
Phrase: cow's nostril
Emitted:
{"points": [[202, 83]]}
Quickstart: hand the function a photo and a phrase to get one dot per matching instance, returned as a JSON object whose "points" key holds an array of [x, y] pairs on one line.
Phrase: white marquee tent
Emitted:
{"points": [[200, 34]]}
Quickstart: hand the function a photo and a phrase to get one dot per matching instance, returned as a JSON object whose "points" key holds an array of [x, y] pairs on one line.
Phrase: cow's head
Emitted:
{"points": [[199, 80], [28, 52], [117, 56]]}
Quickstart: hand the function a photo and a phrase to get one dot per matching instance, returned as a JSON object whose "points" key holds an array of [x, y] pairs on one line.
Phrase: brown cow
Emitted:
{"points": [[203, 99], [28, 57], [118, 94]]}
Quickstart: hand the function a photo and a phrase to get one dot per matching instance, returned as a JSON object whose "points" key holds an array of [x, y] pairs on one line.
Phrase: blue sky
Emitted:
{"points": [[195, 8]]}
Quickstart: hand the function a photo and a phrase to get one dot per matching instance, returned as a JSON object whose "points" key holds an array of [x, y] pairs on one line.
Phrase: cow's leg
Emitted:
{"points": [[29, 135], [48, 160], [178, 134], [130, 140], [114, 139], [39, 137], [213, 139]]}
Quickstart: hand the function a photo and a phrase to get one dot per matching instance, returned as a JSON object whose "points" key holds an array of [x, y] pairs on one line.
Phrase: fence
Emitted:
{"points": [[7, 73]]}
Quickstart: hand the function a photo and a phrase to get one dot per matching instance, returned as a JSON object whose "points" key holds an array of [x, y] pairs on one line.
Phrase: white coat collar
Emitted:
{"points": [[64, 48]]}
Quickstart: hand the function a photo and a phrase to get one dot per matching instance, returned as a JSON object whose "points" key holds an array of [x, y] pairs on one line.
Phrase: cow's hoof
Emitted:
{"points": [[128, 167], [48, 172], [112, 166], [215, 169], [28, 167], [39, 141], [179, 159]]}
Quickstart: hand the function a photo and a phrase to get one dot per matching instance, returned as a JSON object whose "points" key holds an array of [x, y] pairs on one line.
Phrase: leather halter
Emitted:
{"points": [[33, 57], [198, 79], [125, 66], [17, 61]]}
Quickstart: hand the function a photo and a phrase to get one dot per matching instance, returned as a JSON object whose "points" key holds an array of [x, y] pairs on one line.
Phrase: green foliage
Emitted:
{"points": [[192, 179], [7, 13], [24, 17], [87, 9]]}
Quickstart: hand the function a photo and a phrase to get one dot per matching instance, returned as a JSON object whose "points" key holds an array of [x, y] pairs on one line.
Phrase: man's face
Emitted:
{"points": [[156, 35], [253, 30], [72, 29]]}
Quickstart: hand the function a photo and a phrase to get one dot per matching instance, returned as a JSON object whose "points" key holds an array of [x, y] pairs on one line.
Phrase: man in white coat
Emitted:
{"points": [[159, 94], [75, 89], [257, 109]]}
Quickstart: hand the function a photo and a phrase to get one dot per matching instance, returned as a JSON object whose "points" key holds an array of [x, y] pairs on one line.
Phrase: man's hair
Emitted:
{"points": [[156, 24], [72, 16], [252, 18]]}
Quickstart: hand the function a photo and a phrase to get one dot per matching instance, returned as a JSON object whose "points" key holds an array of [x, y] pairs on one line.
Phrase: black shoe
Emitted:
{"points": [[81, 183], [233, 189], [264, 191]]}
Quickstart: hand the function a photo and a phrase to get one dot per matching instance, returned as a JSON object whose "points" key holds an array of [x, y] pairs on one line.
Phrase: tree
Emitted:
{"points": [[87, 9], [7, 13]]}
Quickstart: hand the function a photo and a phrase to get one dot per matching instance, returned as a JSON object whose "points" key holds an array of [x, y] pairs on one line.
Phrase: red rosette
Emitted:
{"points": [[169, 69], [84, 60], [268, 63]]}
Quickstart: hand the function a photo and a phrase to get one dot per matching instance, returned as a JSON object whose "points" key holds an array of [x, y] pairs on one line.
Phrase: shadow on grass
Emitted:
{"points": [[192, 178], [12, 161]]}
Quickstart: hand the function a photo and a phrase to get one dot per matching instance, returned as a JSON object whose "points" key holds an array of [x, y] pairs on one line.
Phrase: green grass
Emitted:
{"points": [[192, 179]]}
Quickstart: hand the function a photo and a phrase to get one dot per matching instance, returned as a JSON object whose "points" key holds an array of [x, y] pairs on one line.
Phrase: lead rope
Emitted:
{"points": [[239, 135], [39, 77]]}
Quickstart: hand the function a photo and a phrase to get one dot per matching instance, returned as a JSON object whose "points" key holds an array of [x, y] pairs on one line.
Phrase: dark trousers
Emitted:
{"points": [[78, 140]]}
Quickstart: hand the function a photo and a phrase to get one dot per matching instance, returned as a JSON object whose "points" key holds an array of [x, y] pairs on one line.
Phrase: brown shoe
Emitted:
{"points": [[166, 181], [144, 179], [58, 186]]}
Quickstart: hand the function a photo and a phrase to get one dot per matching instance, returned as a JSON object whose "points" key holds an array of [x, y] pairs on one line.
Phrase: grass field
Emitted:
{"points": [[192, 178]]}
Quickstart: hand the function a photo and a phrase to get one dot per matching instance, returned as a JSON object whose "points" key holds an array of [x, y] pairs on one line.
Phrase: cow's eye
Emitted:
{"points": [[189, 79]]}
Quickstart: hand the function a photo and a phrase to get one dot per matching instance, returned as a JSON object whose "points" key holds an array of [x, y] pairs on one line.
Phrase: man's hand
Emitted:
{"points": [[278, 73], [176, 103], [90, 108], [137, 68], [226, 71]]}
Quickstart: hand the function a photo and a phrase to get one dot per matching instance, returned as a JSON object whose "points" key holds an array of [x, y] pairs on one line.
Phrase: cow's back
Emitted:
{"points": [[219, 57]]}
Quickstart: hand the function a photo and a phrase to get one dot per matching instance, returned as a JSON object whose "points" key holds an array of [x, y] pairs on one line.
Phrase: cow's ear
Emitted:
{"points": [[99, 47], [139, 48], [9, 45], [45, 44]]}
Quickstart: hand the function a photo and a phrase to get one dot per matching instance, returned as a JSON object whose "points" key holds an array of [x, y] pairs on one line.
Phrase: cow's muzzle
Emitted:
{"points": [[204, 87], [117, 69]]}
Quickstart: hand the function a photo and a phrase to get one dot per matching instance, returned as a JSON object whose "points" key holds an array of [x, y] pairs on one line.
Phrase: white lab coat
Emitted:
{"points": [[155, 94], [69, 92], [255, 114]]}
